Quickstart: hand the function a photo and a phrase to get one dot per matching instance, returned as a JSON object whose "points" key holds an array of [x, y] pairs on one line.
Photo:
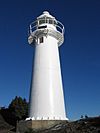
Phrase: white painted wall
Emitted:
{"points": [[47, 98], [46, 95]]}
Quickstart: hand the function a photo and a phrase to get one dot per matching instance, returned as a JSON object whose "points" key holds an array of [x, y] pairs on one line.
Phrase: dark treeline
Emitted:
{"points": [[17, 110]]}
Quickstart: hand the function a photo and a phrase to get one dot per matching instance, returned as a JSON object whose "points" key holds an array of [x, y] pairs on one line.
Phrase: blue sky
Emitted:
{"points": [[80, 53]]}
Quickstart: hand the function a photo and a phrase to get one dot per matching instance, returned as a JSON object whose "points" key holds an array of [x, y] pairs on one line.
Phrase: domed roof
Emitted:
{"points": [[46, 14]]}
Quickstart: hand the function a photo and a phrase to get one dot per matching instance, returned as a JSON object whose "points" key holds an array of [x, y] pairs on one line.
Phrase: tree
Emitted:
{"points": [[30, 130], [86, 116], [19, 108], [81, 116]]}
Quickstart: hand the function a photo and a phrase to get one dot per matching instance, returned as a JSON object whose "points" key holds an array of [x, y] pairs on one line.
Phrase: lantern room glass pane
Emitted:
{"points": [[50, 21], [41, 21]]}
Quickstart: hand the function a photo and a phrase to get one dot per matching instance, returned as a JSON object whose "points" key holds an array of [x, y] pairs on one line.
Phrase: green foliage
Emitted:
{"points": [[30, 130], [19, 108]]}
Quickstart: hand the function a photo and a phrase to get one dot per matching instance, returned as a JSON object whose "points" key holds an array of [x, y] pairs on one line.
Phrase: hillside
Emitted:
{"points": [[89, 125], [4, 126]]}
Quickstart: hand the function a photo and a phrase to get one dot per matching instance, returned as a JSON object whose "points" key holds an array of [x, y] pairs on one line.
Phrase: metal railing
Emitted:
{"points": [[34, 25]]}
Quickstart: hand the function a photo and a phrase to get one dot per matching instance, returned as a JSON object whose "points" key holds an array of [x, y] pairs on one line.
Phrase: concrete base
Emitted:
{"points": [[23, 126]]}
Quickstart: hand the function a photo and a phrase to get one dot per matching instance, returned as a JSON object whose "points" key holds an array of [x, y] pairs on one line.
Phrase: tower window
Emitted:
{"points": [[41, 40]]}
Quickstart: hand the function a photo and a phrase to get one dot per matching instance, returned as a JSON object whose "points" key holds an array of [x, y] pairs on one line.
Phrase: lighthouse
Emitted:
{"points": [[46, 102]]}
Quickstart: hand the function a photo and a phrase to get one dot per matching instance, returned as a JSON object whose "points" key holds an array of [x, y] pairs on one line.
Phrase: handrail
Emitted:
{"points": [[57, 24]]}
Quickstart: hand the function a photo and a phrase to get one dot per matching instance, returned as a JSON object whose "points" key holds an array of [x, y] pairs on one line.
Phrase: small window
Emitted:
{"points": [[41, 40]]}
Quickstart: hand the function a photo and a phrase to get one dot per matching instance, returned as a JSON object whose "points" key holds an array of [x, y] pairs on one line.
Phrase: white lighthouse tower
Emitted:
{"points": [[46, 34]]}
